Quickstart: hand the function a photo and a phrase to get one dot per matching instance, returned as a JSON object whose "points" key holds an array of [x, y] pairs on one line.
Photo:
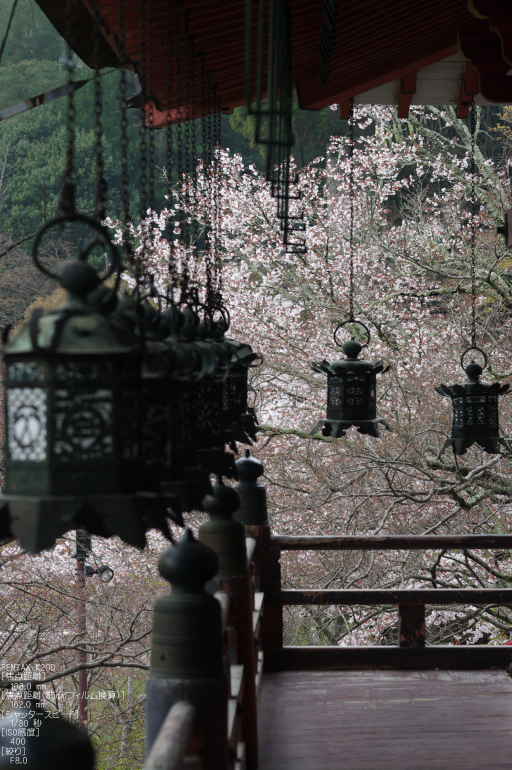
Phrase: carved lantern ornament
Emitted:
{"points": [[475, 411], [351, 391], [71, 450]]}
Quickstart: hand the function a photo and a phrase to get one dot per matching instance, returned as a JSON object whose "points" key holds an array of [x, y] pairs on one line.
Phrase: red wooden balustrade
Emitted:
{"points": [[252, 623], [412, 653]]}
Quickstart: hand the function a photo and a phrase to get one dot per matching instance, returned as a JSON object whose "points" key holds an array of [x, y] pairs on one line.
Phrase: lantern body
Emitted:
{"points": [[475, 414], [72, 440], [240, 420], [351, 395], [66, 427], [155, 416], [205, 418]]}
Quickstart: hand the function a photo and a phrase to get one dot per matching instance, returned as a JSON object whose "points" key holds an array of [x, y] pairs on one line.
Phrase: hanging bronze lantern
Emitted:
{"points": [[204, 405], [475, 411], [351, 392], [239, 418], [71, 452], [195, 439], [506, 229], [475, 404]]}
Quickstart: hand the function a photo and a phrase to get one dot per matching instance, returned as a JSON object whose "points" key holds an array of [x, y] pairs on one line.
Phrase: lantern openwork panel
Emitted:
{"points": [[351, 394], [66, 428]]}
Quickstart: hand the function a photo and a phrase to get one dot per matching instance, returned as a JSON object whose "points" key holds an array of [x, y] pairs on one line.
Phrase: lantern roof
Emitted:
{"points": [[394, 52], [71, 330]]}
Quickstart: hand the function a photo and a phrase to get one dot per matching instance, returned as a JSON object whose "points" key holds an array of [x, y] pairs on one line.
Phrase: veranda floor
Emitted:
{"points": [[386, 720]]}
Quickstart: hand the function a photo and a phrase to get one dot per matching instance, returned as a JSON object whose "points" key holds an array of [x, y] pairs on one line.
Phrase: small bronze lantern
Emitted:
{"points": [[506, 229], [475, 411], [239, 418], [70, 452], [351, 392]]}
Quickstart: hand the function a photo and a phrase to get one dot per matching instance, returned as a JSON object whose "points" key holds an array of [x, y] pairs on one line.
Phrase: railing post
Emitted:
{"points": [[253, 513], [227, 538], [186, 651], [411, 625]]}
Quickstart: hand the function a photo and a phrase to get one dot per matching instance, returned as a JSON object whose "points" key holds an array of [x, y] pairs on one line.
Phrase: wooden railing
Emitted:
{"points": [[412, 651], [169, 749], [251, 608]]}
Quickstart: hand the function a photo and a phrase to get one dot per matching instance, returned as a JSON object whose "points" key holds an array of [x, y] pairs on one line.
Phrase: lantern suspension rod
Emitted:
{"points": [[351, 198], [67, 197], [11, 17], [169, 144], [473, 224], [125, 172], [151, 84], [102, 186]]}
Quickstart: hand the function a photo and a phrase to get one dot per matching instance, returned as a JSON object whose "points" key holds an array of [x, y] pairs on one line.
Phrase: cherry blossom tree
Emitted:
{"points": [[411, 199]]}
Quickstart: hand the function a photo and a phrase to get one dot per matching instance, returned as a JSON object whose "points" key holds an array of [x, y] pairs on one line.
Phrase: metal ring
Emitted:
{"points": [[224, 313], [343, 324], [473, 347], [100, 230]]}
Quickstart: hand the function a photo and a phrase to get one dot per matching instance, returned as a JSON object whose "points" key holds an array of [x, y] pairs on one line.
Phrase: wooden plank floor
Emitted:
{"points": [[386, 720]]}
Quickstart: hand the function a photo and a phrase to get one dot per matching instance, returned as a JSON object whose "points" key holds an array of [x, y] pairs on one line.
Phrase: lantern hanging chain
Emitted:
{"points": [[125, 175], [142, 138], [473, 224], [142, 112], [192, 147], [102, 189], [150, 68], [207, 177], [173, 278], [179, 154], [186, 185], [168, 122], [216, 194], [67, 196], [351, 221]]}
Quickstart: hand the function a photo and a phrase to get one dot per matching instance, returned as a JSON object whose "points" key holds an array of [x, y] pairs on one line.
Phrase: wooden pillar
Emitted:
{"points": [[412, 625]]}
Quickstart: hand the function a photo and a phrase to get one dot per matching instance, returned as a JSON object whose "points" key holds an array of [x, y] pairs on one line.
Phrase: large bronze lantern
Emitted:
{"points": [[70, 451], [351, 393], [475, 411]]}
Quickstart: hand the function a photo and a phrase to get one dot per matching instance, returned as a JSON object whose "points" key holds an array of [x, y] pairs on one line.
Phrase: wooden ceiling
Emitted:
{"points": [[340, 50]]}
